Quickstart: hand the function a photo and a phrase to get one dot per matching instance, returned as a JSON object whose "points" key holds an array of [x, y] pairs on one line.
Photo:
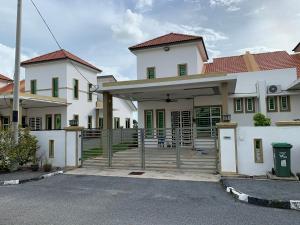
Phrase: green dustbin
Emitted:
{"points": [[282, 159]]}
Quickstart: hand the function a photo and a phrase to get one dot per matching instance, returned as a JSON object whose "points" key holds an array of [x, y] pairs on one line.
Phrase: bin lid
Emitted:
{"points": [[281, 145]]}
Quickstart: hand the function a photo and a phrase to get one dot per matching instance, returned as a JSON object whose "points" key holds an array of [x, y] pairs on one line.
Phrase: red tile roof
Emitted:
{"points": [[231, 64], [2, 77], [9, 88], [58, 55], [265, 61], [171, 38]]}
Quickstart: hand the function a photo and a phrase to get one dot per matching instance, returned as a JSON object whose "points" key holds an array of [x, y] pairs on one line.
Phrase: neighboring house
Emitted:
{"points": [[123, 110], [177, 87], [4, 80]]}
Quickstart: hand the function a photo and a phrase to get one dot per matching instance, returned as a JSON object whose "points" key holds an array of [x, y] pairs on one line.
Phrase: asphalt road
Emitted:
{"points": [[69, 199]]}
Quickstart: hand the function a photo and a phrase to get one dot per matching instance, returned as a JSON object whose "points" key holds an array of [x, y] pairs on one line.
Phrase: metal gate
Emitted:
{"points": [[161, 149]]}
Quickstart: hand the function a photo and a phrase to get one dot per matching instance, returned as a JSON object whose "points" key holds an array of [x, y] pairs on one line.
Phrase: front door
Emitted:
{"points": [[206, 119], [183, 120]]}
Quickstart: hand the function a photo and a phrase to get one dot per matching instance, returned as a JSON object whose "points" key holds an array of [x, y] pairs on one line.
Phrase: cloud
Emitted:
{"points": [[113, 70], [144, 5], [7, 59], [128, 28], [230, 5], [256, 49]]}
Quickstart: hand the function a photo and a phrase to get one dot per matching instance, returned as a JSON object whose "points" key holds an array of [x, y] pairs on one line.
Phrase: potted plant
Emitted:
{"points": [[35, 163], [47, 166]]}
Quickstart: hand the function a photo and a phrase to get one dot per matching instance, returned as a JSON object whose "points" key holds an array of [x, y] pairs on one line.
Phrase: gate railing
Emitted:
{"points": [[138, 142]]}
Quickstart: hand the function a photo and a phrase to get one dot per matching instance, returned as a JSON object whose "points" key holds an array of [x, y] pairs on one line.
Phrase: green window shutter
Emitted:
{"points": [[33, 87], [182, 69], [160, 119], [149, 123], [75, 88], [57, 121], [151, 72], [55, 87], [90, 94]]}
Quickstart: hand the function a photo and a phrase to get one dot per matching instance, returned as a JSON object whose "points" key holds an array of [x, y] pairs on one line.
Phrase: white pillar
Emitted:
{"points": [[262, 96]]}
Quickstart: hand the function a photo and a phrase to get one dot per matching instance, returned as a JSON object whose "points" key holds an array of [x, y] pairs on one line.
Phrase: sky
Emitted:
{"points": [[100, 31]]}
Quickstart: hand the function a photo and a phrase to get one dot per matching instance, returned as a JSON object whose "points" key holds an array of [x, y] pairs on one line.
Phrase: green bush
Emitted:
{"points": [[12, 155], [261, 120]]}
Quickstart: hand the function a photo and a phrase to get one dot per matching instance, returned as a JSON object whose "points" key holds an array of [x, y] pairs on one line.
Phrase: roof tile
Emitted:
{"points": [[9, 88], [58, 55]]}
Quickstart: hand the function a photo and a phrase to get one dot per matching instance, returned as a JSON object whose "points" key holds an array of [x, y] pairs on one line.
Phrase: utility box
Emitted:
{"points": [[282, 159]]}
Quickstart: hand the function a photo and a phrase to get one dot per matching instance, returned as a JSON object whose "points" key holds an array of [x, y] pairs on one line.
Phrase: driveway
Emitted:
{"points": [[78, 199]]}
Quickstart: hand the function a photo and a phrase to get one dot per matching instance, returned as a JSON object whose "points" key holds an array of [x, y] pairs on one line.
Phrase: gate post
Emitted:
{"points": [[110, 151], [142, 134], [177, 137]]}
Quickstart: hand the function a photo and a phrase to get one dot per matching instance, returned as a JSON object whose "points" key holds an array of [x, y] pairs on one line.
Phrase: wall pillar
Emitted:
{"points": [[224, 93], [262, 96], [227, 148], [107, 122], [73, 146]]}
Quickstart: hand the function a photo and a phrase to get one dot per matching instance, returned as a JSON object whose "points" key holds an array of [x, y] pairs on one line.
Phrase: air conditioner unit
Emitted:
{"points": [[273, 89]]}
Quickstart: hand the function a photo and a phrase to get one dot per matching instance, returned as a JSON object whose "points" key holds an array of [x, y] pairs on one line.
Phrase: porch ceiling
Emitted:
{"points": [[32, 101], [176, 89]]}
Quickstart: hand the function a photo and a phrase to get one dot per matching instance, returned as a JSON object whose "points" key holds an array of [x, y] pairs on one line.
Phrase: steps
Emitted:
{"points": [[159, 159]]}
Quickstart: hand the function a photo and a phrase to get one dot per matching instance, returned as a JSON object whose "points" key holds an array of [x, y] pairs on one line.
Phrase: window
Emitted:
{"points": [[127, 121], [33, 87], [148, 122], [160, 121], [35, 123], [49, 122], [75, 89], [272, 103], [90, 122], [151, 72], [101, 122], [57, 121], [51, 148], [238, 105], [284, 102], [55, 87], [24, 124], [90, 94], [250, 105], [258, 151], [76, 117], [116, 122], [182, 69], [5, 122]]}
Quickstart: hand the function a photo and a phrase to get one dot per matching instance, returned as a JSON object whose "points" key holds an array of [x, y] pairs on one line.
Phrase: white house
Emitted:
{"points": [[56, 90]]}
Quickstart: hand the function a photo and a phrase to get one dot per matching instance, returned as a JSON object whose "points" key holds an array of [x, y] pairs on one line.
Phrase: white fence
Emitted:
{"points": [[237, 150], [66, 149]]}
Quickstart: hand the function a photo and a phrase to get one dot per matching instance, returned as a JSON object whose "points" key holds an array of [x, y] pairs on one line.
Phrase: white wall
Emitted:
{"points": [[227, 150], [245, 137], [59, 145], [165, 63]]}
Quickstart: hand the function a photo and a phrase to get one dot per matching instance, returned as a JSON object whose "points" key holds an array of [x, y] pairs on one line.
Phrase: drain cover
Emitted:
{"points": [[136, 173]]}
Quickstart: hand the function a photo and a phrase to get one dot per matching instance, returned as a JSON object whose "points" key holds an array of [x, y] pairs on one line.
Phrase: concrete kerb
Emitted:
{"points": [[274, 203], [15, 182]]}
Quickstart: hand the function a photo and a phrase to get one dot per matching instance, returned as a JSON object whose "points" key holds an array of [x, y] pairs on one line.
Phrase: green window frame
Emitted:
{"points": [[55, 87], [238, 105], [33, 87], [90, 94], [284, 102], [250, 105], [148, 115], [51, 148], [127, 122], [57, 121], [75, 89], [101, 122], [48, 122], [90, 122], [151, 73], [5, 122], [272, 103], [116, 122], [182, 69], [160, 121]]}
